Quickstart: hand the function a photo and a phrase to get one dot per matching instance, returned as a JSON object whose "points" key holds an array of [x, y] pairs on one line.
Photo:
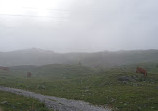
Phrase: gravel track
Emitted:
{"points": [[56, 103]]}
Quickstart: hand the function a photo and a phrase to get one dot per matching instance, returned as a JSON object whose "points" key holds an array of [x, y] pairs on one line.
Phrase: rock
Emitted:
{"points": [[4, 102], [41, 87], [113, 100], [152, 107], [139, 108], [125, 82], [126, 78], [125, 104]]}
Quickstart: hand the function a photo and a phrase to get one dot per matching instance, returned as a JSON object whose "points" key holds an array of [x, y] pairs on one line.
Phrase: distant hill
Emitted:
{"points": [[98, 59]]}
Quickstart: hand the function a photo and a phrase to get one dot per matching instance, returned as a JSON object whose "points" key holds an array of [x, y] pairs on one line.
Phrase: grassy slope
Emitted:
{"points": [[98, 87], [19, 103]]}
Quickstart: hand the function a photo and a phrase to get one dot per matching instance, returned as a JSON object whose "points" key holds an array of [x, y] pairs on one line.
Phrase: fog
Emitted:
{"points": [[78, 25]]}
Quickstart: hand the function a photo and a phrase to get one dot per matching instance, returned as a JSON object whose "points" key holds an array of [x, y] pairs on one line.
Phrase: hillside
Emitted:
{"points": [[100, 87], [97, 59]]}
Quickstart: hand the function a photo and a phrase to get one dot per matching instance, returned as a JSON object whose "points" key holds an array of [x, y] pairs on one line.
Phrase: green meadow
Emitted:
{"points": [[12, 102], [99, 86]]}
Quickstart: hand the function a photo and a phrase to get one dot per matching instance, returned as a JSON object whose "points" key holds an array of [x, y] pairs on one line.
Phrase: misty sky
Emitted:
{"points": [[78, 25]]}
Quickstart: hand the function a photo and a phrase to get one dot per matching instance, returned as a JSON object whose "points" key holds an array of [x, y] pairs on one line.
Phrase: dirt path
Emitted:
{"points": [[59, 104]]}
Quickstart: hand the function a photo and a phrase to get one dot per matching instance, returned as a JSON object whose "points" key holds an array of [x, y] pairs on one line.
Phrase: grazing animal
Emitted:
{"points": [[4, 68], [141, 70], [29, 74]]}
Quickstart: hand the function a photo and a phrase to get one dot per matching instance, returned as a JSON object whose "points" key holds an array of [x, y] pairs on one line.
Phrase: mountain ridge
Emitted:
{"points": [[39, 57]]}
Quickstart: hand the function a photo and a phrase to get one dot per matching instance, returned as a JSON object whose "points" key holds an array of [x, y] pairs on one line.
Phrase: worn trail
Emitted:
{"points": [[56, 103]]}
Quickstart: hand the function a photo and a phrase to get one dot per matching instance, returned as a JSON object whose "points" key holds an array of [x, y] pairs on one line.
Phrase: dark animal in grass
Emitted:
{"points": [[141, 71], [4, 68], [29, 74]]}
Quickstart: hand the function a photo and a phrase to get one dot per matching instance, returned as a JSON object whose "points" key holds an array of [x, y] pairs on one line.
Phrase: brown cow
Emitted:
{"points": [[29, 74], [141, 70], [4, 68]]}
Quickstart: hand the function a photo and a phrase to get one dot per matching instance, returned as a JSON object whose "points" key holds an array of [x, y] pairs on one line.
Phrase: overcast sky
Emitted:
{"points": [[78, 25]]}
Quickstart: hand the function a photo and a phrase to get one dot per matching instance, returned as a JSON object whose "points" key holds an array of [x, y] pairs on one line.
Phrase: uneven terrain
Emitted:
{"points": [[119, 88], [55, 103]]}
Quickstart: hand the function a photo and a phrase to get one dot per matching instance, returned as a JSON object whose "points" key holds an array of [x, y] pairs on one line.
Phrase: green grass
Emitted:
{"points": [[99, 86], [12, 102]]}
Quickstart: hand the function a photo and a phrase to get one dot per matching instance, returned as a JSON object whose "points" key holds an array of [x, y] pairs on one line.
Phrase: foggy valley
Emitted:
{"points": [[78, 55]]}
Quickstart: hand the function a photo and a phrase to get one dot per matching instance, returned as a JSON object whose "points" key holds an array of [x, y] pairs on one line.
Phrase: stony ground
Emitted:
{"points": [[59, 104]]}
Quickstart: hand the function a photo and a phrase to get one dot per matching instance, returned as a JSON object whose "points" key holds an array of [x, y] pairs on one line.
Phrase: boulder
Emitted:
{"points": [[4, 102], [126, 78]]}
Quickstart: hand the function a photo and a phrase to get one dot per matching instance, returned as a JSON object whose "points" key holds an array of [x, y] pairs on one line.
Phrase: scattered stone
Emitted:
{"points": [[125, 82], [41, 87], [113, 100], [139, 108], [4, 102], [59, 104], [126, 78], [152, 107]]}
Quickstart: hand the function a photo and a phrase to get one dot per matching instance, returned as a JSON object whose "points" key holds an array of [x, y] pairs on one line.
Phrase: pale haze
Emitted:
{"points": [[78, 25]]}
